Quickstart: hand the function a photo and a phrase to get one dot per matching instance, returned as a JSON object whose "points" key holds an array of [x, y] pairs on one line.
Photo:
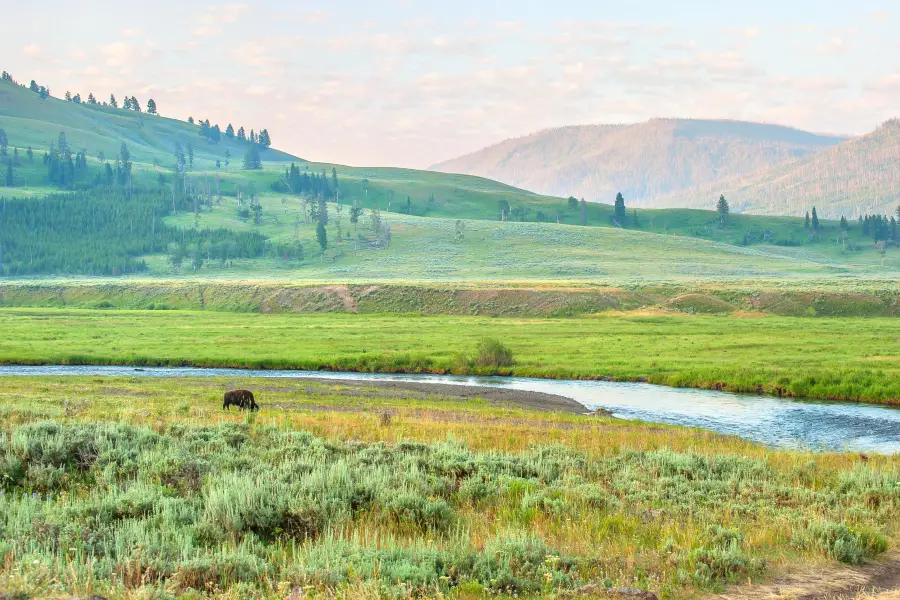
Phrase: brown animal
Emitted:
{"points": [[243, 399]]}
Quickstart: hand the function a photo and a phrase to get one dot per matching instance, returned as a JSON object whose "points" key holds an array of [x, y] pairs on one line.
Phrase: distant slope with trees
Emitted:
{"points": [[858, 177], [644, 160]]}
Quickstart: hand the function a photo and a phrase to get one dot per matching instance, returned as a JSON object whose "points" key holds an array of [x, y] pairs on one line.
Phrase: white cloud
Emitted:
{"points": [[834, 45], [31, 50]]}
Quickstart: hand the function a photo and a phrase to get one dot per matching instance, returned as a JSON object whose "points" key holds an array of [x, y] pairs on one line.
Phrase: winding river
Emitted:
{"points": [[777, 422]]}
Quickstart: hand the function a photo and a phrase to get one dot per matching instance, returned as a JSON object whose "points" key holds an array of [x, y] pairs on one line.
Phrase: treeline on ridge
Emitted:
{"points": [[105, 232]]}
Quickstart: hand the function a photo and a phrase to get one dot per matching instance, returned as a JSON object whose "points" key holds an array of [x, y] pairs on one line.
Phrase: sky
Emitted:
{"points": [[410, 82]]}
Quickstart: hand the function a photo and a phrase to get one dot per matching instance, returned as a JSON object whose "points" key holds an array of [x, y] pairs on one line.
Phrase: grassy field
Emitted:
{"points": [[132, 488], [837, 358]]}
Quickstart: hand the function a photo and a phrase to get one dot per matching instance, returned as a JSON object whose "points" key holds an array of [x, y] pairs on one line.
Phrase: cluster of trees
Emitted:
{"points": [[302, 183], [813, 223], [880, 228], [41, 90], [103, 232]]}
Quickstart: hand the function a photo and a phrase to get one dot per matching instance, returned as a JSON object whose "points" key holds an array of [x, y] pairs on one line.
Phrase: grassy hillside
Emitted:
{"points": [[860, 176], [543, 239], [31, 121], [643, 161]]}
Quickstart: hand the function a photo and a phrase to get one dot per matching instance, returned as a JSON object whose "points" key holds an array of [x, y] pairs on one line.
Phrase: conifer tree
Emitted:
{"points": [[112, 101], [583, 212], [151, 107], [815, 220], [30, 154], [620, 214], [806, 222], [4, 143], [9, 174], [229, 131], [723, 210]]}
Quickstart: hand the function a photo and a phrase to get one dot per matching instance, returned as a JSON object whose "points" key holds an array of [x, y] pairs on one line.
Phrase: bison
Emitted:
{"points": [[243, 399]]}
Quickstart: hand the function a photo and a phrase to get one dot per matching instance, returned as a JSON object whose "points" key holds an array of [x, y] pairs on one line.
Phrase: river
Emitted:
{"points": [[776, 422]]}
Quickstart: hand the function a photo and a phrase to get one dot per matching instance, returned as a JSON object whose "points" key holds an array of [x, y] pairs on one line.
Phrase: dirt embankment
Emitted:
{"points": [[485, 300]]}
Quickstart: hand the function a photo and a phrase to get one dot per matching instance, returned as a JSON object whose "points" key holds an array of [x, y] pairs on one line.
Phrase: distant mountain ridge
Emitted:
{"points": [[645, 161], [859, 176]]}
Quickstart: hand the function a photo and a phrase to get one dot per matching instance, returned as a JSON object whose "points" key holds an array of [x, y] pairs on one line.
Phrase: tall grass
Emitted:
{"points": [[253, 509]]}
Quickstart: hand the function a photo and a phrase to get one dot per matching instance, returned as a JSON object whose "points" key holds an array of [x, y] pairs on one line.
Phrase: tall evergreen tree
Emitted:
{"points": [[844, 225], [30, 154], [112, 101], [806, 222], [4, 143], [191, 120], [91, 99], [619, 210], [815, 219], [723, 209], [583, 212], [229, 131], [242, 135], [252, 161], [68, 96], [190, 153], [322, 236], [264, 140], [151, 107], [16, 162]]}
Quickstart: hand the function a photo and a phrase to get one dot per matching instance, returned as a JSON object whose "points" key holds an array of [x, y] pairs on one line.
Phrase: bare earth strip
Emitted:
{"points": [[879, 580]]}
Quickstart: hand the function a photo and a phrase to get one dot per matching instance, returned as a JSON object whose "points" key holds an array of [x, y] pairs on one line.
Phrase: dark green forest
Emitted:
{"points": [[104, 232]]}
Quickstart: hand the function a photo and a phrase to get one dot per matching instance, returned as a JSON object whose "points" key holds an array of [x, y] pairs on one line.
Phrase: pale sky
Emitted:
{"points": [[410, 83]]}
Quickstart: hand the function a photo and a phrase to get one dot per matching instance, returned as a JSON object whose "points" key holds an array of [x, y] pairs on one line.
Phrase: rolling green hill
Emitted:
{"points": [[442, 226]]}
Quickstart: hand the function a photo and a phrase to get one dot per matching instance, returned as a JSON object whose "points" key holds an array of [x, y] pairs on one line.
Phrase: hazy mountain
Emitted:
{"points": [[861, 175], [644, 161]]}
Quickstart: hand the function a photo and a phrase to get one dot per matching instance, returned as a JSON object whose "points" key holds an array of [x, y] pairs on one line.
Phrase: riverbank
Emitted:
{"points": [[337, 489], [809, 297], [851, 359]]}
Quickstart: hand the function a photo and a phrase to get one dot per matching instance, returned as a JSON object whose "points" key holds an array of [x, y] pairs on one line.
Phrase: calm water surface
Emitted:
{"points": [[778, 422]]}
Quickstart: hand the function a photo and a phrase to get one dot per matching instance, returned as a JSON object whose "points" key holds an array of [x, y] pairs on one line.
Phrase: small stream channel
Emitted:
{"points": [[777, 422]]}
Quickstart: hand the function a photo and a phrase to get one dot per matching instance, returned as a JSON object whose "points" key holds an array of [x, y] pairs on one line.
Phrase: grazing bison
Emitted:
{"points": [[243, 399]]}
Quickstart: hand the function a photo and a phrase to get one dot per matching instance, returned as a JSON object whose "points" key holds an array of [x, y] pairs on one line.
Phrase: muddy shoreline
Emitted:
{"points": [[499, 396]]}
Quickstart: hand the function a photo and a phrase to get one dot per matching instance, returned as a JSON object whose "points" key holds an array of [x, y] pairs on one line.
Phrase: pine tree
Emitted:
{"points": [[190, 149], [30, 154], [76, 98], [229, 131], [151, 107], [264, 140], [191, 120], [723, 210], [4, 143], [91, 99], [242, 135], [135, 104], [16, 162], [322, 236], [68, 96], [112, 101], [583, 212], [252, 161], [620, 213], [844, 225], [806, 222], [815, 220], [9, 174]]}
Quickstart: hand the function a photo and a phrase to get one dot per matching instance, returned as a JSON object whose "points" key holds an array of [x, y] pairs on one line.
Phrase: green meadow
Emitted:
{"points": [[833, 358]]}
